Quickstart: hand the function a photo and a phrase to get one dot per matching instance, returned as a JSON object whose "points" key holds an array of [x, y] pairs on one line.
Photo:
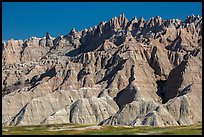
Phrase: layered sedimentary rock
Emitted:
{"points": [[120, 72]]}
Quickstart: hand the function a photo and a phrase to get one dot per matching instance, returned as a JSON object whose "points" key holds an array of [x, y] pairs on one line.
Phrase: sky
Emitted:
{"points": [[22, 20]]}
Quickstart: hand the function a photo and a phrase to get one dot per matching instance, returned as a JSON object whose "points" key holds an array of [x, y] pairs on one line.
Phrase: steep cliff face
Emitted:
{"points": [[119, 73]]}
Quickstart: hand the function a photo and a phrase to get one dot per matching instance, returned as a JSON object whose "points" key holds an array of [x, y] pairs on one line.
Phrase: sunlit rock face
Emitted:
{"points": [[119, 72]]}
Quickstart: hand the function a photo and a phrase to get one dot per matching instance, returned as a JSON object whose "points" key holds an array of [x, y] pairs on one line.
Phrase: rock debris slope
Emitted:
{"points": [[120, 72]]}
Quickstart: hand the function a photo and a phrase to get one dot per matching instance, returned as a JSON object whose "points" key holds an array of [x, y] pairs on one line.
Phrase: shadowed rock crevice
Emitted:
{"points": [[154, 63], [48, 73], [132, 73], [160, 87], [17, 119], [22, 51], [173, 82], [68, 73], [126, 95], [82, 73], [110, 73], [75, 52], [175, 58], [187, 89], [175, 45]]}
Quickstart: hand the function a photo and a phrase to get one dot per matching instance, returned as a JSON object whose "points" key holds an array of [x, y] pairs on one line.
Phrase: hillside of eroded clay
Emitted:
{"points": [[120, 72]]}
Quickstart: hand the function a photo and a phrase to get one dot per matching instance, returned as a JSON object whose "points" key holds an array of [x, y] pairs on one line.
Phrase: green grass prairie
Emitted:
{"points": [[78, 129]]}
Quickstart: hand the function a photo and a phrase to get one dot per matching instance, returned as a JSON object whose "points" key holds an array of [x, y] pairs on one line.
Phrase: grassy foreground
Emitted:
{"points": [[76, 129]]}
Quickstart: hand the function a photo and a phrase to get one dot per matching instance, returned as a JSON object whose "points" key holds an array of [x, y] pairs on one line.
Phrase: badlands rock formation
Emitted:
{"points": [[120, 72]]}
